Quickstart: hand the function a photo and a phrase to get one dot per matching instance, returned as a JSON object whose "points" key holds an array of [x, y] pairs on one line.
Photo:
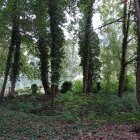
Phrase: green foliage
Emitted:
{"points": [[130, 83], [114, 107], [110, 88], [94, 52], [98, 107], [34, 88], [71, 104], [29, 91], [56, 16], [28, 107], [66, 86], [3, 55], [26, 90], [77, 87], [24, 104], [70, 116], [66, 97]]}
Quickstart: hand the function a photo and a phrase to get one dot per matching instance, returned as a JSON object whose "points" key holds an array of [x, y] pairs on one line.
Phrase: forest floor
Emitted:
{"points": [[16, 125], [27, 118]]}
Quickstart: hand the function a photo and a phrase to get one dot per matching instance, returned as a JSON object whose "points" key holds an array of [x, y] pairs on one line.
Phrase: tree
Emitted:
{"points": [[110, 57], [56, 15], [71, 61], [89, 48], [137, 16], [14, 44], [16, 60], [40, 9], [125, 30]]}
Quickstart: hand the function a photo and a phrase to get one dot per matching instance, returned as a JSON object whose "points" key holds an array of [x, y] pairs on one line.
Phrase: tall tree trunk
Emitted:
{"points": [[137, 14], [86, 66], [126, 23], [57, 41], [11, 49], [8, 65], [16, 62], [16, 65], [41, 24], [44, 64]]}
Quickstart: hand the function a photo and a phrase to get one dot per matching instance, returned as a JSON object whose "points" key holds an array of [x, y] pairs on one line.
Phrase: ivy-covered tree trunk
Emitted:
{"points": [[11, 48], [44, 63], [86, 70], [15, 65], [41, 23], [89, 47], [57, 40], [16, 60], [126, 22], [137, 14]]}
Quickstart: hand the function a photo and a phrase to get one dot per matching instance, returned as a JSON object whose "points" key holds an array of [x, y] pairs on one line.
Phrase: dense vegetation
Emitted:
{"points": [[56, 42]]}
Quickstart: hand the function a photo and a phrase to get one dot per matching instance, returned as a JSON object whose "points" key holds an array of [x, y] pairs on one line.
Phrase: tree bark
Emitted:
{"points": [[137, 15]]}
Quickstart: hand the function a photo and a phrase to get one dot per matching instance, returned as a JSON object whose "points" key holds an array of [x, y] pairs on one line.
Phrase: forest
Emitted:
{"points": [[69, 69]]}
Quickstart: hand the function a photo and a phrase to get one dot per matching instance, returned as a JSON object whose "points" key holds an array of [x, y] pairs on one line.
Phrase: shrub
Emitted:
{"points": [[34, 88], [66, 86], [70, 116], [26, 90], [96, 106], [111, 88], [77, 87], [117, 106], [130, 82]]}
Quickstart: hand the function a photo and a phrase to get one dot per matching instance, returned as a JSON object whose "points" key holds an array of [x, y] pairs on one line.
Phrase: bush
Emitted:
{"points": [[70, 116], [23, 104], [34, 88], [66, 86], [130, 82], [111, 88], [26, 90], [72, 106], [28, 107], [98, 106], [117, 106], [77, 87]]}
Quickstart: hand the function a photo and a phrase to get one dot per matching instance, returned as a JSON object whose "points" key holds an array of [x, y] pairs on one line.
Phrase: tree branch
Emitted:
{"points": [[131, 39], [118, 20], [131, 59]]}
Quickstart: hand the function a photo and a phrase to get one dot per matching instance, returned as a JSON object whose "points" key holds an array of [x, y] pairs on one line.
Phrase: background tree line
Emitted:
{"points": [[108, 55]]}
